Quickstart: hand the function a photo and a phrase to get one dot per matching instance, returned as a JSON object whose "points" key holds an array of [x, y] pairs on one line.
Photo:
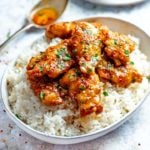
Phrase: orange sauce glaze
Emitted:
{"points": [[45, 16]]}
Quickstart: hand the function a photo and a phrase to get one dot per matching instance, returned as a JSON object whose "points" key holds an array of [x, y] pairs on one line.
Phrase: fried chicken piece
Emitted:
{"points": [[87, 46], [62, 30], [84, 41], [72, 75], [85, 90], [46, 91], [34, 60], [119, 76], [53, 62], [118, 47]]}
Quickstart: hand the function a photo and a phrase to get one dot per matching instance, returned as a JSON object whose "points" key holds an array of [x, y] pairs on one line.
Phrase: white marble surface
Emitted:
{"points": [[133, 135]]}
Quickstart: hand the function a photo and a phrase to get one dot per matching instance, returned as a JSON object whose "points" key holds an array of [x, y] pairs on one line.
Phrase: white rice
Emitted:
{"points": [[63, 121]]}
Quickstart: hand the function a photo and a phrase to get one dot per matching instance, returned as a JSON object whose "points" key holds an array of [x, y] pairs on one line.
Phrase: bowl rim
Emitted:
{"points": [[104, 3], [40, 133]]}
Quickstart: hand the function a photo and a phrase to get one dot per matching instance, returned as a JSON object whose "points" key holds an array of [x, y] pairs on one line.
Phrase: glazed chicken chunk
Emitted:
{"points": [[53, 62], [119, 76], [84, 89], [84, 41], [46, 90], [118, 48]]}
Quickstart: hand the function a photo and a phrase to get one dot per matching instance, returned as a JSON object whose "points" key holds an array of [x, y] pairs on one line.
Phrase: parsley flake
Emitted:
{"points": [[18, 116], [115, 41], [61, 65], [40, 68], [60, 52], [89, 32], [105, 93], [100, 42], [70, 77], [95, 58], [83, 64], [126, 52], [131, 62], [67, 57], [42, 94], [82, 88], [63, 54], [148, 78], [89, 70]]}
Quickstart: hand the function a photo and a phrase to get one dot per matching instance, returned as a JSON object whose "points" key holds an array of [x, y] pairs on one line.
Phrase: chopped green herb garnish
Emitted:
{"points": [[42, 94], [148, 78], [96, 57], [89, 70], [84, 51], [88, 31], [100, 42], [18, 116], [83, 64], [61, 65], [41, 68], [82, 88], [60, 52], [67, 57], [115, 41], [126, 52], [131, 62], [70, 76], [105, 93]]}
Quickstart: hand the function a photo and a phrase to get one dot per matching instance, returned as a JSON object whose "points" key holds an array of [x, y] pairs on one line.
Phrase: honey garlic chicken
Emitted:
{"points": [[53, 62], [118, 47], [87, 55], [84, 40], [46, 90], [84, 89], [120, 76]]}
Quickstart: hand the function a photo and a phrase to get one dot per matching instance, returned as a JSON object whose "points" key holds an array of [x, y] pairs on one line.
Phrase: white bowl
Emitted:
{"points": [[116, 2], [115, 25]]}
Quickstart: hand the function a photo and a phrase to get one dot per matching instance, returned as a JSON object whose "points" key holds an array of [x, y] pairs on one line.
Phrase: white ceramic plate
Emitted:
{"points": [[115, 25], [116, 2]]}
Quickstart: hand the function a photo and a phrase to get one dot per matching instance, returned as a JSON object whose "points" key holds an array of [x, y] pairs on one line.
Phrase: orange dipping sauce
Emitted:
{"points": [[45, 16]]}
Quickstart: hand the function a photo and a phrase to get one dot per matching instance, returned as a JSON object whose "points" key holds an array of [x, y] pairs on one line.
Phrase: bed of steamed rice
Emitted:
{"points": [[64, 120]]}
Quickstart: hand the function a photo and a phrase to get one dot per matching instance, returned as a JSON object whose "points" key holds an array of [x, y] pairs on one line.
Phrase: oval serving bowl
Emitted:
{"points": [[115, 25]]}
